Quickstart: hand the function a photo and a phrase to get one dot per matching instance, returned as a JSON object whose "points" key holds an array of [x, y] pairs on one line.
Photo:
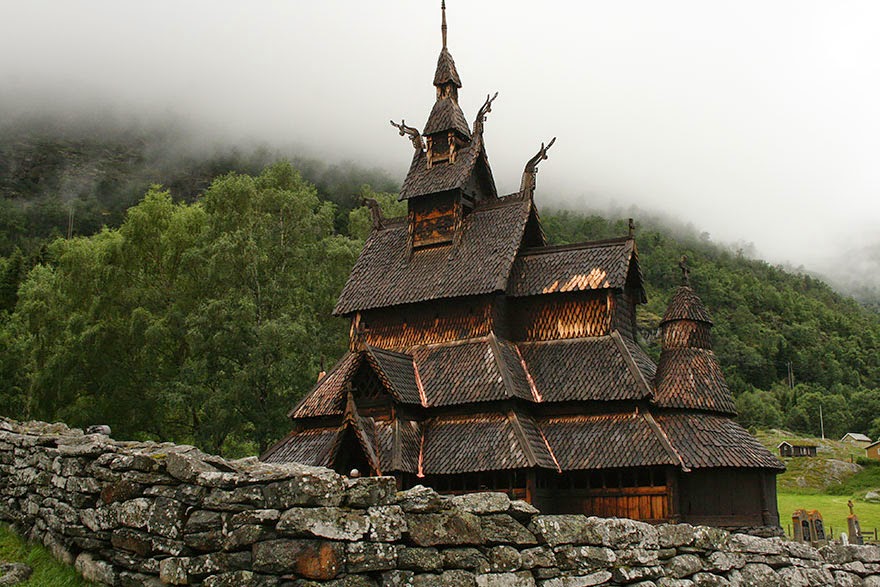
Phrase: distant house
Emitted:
{"points": [[787, 449], [872, 451], [856, 438]]}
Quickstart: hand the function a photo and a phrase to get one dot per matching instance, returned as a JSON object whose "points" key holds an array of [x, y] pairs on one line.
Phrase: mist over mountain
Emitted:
{"points": [[79, 172]]}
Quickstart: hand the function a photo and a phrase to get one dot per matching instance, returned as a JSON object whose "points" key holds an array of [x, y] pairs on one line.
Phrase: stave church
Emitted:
{"points": [[483, 359]]}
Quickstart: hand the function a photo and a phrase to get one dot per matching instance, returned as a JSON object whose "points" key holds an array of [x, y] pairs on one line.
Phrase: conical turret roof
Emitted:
{"points": [[446, 72], [688, 375], [686, 305]]}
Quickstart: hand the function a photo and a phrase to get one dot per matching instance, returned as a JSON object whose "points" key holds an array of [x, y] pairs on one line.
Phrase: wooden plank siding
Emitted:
{"points": [[649, 504]]}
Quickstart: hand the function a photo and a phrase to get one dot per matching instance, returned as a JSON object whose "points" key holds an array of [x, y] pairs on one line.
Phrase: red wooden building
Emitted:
{"points": [[483, 359]]}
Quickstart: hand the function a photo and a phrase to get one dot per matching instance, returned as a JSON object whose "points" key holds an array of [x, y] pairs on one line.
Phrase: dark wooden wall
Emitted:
{"points": [[728, 497], [432, 220]]}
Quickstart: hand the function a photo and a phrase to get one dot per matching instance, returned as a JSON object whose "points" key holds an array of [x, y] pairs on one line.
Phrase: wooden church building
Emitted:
{"points": [[481, 358]]}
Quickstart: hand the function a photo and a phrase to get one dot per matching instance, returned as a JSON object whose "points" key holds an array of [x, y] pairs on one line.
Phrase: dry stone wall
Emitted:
{"points": [[129, 513]]}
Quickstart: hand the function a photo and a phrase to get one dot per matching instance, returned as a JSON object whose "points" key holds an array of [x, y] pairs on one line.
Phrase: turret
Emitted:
{"points": [[688, 375]]}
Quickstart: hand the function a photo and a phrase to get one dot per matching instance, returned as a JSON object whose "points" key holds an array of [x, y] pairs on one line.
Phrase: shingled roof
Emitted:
{"points": [[705, 441], [585, 266], [605, 441], [692, 379], [309, 447], [387, 273], [446, 115], [586, 369], [689, 375], [442, 176], [489, 369], [471, 371], [686, 305], [483, 442], [446, 71]]}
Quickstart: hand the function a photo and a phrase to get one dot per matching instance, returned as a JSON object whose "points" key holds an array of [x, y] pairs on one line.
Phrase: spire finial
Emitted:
{"points": [[685, 270], [443, 26]]}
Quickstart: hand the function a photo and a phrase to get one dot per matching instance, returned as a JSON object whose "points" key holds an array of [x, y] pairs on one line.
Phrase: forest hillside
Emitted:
{"points": [[199, 312]]}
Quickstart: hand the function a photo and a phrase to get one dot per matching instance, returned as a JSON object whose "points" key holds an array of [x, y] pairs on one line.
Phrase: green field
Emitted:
{"points": [[47, 571], [833, 509]]}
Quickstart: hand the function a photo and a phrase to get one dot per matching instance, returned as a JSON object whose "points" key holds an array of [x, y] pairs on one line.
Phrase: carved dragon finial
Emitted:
{"points": [[685, 270], [414, 135], [375, 213], [531, 171], [484, 110]]}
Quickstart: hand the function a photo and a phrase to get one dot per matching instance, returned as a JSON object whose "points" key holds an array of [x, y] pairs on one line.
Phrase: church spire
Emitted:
{"points": [[443, 26], [446, 128]]}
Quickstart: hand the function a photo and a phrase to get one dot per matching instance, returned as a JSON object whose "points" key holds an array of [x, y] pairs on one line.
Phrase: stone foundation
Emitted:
{"points": [[129, 513]]}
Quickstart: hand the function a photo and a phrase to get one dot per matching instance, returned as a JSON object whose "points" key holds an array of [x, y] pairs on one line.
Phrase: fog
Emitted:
{"points": [[754, 121]]}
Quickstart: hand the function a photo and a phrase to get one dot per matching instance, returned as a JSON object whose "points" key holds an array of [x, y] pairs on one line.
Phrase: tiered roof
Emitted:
{"points": [[689, 375], [485, 401]]}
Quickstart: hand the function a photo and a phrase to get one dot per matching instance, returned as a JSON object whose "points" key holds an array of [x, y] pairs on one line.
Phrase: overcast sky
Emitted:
{"points": [[754, 120]]}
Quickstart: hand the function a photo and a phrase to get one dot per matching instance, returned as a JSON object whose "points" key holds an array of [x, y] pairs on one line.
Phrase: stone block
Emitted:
{"points": [[675, 535], [503, 559], [315, 487], [520, 579], [570, 557], [364, 492], [313, 559], [420, 499], [683, 565], [490, 502], [387, 523], [325, 522], [589, 580], [362, 557], [447, 528], [423, 560], [504, 529], [94, 569]]}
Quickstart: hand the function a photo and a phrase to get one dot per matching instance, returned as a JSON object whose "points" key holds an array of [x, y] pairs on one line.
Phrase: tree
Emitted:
{"points": [[271, 269]]}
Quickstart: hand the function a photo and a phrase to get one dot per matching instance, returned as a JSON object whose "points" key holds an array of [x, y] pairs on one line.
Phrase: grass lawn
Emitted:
{"points": [[833, 509], [47, 571]]}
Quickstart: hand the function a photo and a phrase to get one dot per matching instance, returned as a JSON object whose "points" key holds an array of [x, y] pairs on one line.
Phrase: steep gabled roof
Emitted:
{"points": [[586, 369], [388, 273], [444, 175], [584, 266], [327, 397], [705, 441], [472, 371], [482, 442], [397, 372], [446, 115]]}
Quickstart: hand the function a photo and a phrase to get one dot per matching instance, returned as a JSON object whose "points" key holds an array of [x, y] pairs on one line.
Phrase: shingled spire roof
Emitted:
{"points": [[686, 305], [446, 114], [446, 72]]}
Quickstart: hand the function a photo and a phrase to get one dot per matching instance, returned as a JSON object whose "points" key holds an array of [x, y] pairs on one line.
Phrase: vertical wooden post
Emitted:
{"points": [[673, 497], [530, 486]]}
